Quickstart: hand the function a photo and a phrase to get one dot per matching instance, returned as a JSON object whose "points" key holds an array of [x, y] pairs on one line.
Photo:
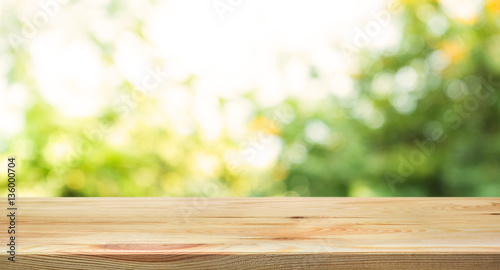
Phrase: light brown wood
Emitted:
{"points": [[255, 233]]}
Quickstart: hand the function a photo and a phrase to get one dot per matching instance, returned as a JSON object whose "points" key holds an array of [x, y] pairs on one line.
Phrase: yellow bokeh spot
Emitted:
{"points": [[280, 172], [241, 187], [75, 179], [455, 50], [264, 124], [171, 183], [469, 20], [493, 6]]}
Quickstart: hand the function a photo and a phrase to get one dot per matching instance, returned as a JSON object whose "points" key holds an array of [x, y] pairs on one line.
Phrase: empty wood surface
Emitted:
{"points": [[255, 233]]}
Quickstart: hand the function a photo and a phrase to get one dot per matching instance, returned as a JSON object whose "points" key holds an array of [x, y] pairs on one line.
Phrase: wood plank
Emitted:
{"points": [[255, 233]]}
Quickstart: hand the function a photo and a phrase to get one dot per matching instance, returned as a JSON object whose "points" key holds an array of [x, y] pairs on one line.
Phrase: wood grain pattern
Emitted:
{"points": [[255, 233]]}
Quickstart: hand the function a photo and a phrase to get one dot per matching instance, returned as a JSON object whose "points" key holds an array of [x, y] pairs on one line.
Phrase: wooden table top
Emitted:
{"points": [[254, 233]]}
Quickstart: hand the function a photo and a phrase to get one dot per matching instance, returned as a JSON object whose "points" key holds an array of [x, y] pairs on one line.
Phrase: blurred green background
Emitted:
{"points": [[417, 117]]}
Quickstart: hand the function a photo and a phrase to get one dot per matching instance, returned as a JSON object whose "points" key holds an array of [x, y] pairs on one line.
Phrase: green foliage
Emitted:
{"points": [[439, 137]]}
